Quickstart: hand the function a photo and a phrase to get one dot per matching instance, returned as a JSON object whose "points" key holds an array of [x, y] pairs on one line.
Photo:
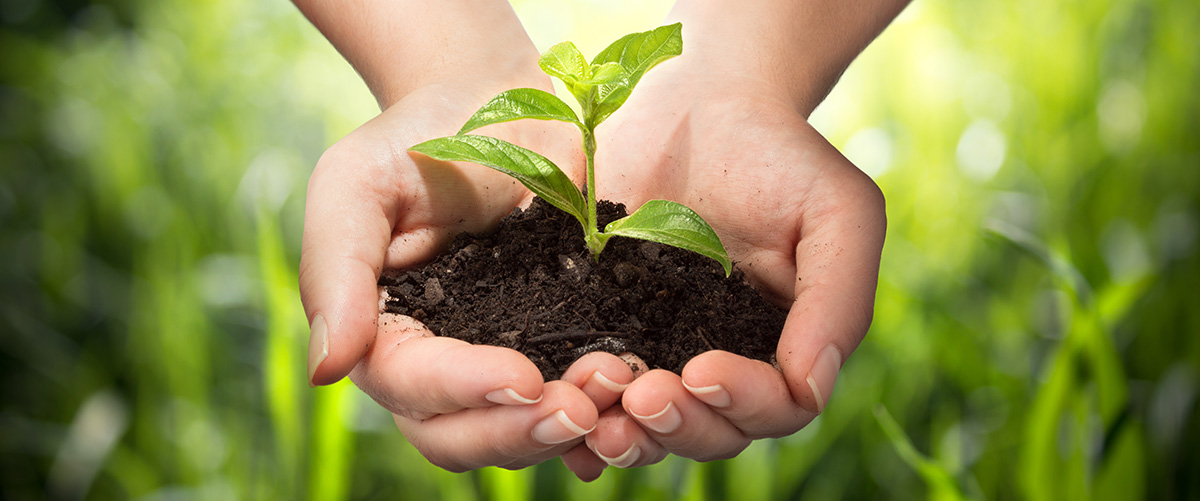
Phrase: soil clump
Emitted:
{"points": [[531, 285]]}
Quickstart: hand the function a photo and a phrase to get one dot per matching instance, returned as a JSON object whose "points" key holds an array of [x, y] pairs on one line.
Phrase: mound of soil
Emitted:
{"points": [[531, 285]]}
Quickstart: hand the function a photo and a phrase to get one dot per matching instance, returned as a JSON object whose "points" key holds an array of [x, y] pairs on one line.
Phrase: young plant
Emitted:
{"points": [[601, 88]]}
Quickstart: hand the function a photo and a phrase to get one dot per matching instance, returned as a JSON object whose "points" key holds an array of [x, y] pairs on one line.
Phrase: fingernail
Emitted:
{"points": [[823, 374], [663, 422], [607, 383], [714, 396], [318, 346], [625, 460], [557, 428], [509, 396]]}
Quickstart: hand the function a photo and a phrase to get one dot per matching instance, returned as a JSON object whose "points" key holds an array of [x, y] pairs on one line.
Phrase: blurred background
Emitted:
{"points": [[1033, 338]]}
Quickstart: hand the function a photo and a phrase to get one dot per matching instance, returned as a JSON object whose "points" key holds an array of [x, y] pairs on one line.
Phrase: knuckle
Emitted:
{"points": [[872, 194], [414, 414], [445, 464], [723, 453], [504, 449], [437, 456], [519, 464], [860, 189], [769, 429], [334, 159], [359, 159]]}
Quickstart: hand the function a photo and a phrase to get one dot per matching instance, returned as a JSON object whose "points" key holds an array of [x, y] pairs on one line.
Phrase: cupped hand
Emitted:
{"points": [[801, 221], [372, 205]]}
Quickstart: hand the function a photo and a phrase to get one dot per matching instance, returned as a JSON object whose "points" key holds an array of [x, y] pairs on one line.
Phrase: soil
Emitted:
{"points": [[531, 285]]}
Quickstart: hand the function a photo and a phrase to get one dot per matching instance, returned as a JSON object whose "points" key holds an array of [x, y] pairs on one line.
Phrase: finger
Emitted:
{"points": [[541, 457], [503, 435], [583, 463], [837, 270], [678, 421], [346, 232], [621, 442], [415, 374], [601, 376], [751, 394]]}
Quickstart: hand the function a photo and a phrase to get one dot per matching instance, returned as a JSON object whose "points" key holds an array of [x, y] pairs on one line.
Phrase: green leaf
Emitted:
{"points": [[534, 171], [565, 62], [611, 84], [516, 104], [638, 52], [608, 100], [1062, 268], [607, 73], [939, 480], [674, 224]]}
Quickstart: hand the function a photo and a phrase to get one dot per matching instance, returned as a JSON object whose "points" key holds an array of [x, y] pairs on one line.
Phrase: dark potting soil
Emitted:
{"points": [[531, 285]]}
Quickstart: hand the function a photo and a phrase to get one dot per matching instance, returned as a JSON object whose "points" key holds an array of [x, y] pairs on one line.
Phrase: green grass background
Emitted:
{"points": [[1036, 334]]}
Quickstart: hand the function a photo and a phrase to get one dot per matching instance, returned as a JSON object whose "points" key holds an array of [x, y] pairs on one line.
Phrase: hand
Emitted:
{"points": [[372, 205], [803, 223]]}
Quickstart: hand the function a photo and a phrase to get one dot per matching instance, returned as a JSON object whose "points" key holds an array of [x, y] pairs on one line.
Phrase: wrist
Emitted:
{"points": [[797, 48], [398, 46], [716, 57], [697, 77], [481, 82]]}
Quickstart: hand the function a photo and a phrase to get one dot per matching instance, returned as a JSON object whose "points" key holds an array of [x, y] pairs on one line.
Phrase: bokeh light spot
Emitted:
{"points": [[871, 150], [981, 150], [1120, 113]]}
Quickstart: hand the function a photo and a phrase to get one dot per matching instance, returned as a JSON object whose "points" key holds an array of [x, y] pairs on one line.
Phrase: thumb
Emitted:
{"points": [[348, 225], [836, 276]]}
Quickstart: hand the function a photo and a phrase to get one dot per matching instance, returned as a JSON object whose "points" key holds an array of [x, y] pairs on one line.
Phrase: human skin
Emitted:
{"points": [[371, 206], [803, 223], [723, 129]]}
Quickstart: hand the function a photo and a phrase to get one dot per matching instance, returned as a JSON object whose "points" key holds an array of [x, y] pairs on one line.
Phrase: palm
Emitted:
{"points": [[372, 205], [751, 167], [422, 202], [803, 223]]}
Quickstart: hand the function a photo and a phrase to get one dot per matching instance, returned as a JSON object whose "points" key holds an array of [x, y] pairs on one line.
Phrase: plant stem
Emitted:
{"points": [[593, 229], [589, 145]]}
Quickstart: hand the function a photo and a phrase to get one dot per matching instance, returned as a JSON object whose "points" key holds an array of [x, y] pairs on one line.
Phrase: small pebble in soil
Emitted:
{"points": [[626, 274], [574, 267], [649, 250], [433, 291]]}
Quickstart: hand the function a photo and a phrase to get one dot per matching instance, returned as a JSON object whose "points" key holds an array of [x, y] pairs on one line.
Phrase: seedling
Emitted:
{"points": [[601, 88]]}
